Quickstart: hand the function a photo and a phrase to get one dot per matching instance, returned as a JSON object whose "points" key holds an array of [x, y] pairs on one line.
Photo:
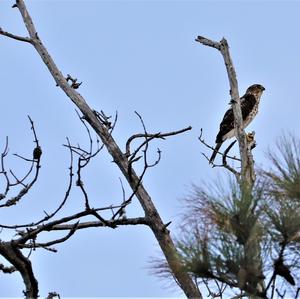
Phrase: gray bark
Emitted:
{"points": [[154, 221]]}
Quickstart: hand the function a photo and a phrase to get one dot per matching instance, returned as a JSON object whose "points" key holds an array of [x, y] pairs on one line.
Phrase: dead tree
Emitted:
{"points": [[101, 124]]}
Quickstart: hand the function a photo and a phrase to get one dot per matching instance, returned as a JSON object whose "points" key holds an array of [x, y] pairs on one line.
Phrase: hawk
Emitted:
{"points": [[249, 106]]}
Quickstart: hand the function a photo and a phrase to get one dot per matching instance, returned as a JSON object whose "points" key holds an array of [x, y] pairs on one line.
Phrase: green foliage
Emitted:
{"points": [[227, 227], [284, 176], [283, 192], [222, 248]]}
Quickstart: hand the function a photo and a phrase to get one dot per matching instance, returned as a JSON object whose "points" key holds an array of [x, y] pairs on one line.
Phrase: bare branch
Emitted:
{"points": [[117, 222], [33, 130], [3, 171], [20, 181], [26, 187], [212, 148], [225, 164], [49, 216], [14, 255], [155, 222], [16, 37], [67, 193], [57, 241], [224, 158], [152, 136], [208, 42], [121, 210], [279, 294]]}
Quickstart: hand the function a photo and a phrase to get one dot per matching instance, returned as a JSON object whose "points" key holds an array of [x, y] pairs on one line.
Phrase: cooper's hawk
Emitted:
{"points": [[249, 106]]}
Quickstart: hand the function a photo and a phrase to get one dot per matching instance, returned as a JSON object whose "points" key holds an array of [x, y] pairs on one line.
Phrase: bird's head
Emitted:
{"points": [[255, 89]]}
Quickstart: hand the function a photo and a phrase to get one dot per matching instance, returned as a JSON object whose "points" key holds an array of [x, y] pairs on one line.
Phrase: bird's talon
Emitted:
{"points": [[250, 137]]}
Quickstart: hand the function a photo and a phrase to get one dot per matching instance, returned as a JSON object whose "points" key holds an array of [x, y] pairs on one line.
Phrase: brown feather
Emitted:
{"points": [[248, 102], [249, 108]]}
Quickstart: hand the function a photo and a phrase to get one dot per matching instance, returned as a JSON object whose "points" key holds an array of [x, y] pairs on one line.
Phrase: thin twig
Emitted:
{"points": [[212, 148], [153, 136], [16, 37], [26, 186]]}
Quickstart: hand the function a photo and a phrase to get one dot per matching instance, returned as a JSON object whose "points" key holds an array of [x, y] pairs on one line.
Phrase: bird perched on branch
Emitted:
{"points": [[249, 106]]}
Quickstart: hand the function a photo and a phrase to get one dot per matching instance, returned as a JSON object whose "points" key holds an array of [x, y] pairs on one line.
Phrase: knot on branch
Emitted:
{"points": [[251, 140], [104, 119], [52, 295], [224, 42], [7, 269], [37, 153], [79, 183], [74, 83]]}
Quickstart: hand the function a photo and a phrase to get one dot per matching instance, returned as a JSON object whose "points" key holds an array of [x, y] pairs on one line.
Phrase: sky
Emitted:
{"points": [[135, 56]]}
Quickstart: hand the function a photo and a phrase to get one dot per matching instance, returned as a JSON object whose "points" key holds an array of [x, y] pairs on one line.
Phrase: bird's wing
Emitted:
{"points": [[248, 101], [226, 125]]}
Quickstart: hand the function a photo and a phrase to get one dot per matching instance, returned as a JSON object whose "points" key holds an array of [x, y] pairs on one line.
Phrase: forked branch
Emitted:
{"points": [[247, 163], [26, 185]]}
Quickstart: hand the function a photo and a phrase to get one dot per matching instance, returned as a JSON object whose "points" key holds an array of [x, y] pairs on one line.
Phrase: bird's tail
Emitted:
{"points": [[213, 156]]}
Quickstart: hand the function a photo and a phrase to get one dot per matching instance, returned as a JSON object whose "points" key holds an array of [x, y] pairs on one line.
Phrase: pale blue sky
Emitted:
{"points": [[136, 55]]}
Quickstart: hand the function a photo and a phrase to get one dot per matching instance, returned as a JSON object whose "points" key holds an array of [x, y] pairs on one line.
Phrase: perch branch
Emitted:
{"points": [[212, 148], [247, 163]]}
